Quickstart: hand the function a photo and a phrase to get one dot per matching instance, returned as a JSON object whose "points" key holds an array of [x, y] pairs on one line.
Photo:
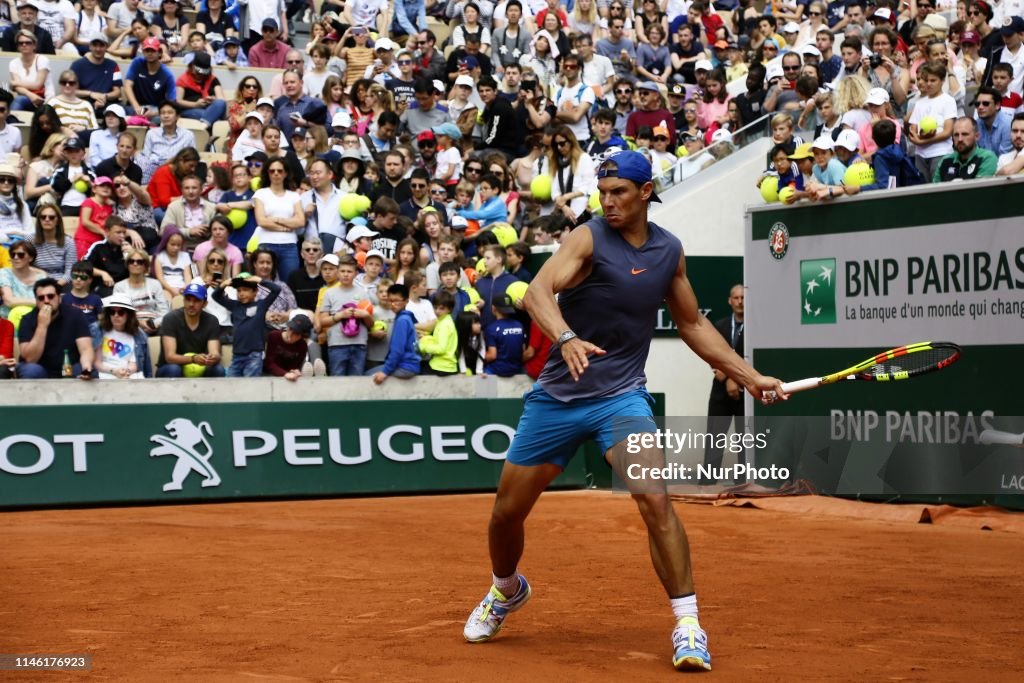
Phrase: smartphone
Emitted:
{"points": [[217, 277], [295, 116]]}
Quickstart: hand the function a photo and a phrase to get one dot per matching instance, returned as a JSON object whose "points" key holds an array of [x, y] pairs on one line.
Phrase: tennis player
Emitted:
{"points": [[611, 275]]}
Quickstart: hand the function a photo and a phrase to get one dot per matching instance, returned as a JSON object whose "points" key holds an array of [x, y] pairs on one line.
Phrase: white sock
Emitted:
{"points": [[507, 586], [685, 606]]}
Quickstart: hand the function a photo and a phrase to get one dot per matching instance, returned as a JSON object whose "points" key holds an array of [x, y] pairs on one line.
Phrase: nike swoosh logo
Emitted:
{"points": [[636, 271]]}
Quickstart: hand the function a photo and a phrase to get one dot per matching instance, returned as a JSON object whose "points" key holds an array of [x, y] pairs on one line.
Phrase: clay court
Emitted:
{"points": [[378, 590]]}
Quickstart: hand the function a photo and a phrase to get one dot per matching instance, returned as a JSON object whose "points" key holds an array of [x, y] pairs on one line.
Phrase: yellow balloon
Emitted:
{"points": [[928, 125], [252, 245], [858, 175], [255, 183]]}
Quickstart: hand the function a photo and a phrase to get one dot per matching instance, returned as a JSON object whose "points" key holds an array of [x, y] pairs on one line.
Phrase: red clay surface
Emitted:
{"points": [[378, 590]]}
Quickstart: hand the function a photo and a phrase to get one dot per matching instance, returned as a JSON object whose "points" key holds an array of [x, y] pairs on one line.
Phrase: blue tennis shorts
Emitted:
{"points": [[552, 431]]}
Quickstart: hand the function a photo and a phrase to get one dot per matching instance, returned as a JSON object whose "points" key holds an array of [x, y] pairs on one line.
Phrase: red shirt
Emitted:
{"points": [[274, 58], [541, 345], [85, 238], [712, 22], [163, 187]]}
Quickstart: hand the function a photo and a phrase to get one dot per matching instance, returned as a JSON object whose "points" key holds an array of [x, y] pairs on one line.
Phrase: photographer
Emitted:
{"points": [[883, 72], [533, 111]]}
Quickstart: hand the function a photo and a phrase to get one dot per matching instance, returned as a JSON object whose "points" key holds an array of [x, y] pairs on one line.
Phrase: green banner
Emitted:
{"points": [[202, 452]]}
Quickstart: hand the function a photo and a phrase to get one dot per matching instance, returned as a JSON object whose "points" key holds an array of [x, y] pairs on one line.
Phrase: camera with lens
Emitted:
{"points": [[875, 61], [528, 86]]}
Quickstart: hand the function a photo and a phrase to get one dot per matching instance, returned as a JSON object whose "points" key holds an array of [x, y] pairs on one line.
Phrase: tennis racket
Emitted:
{"points": [[994, 436], [893, 365]]}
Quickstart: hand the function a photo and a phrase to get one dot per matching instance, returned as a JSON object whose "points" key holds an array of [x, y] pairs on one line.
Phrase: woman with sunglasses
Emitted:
{"points": [[212, 271], [76, 113], [17, 281], [146, 293], [244, 103], [55, 251], [133, 205], [122, 349], [15, 221], [29, 74], [279, 215], [572, 176]]}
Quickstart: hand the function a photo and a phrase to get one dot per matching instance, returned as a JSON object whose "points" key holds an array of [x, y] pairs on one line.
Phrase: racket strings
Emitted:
{"points": [[922, 360]]}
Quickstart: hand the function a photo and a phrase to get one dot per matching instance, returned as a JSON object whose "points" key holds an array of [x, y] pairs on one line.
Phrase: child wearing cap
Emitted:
{"points": [[373, 266], [231, 55], [250, 140], [287, 349], [662, 160], [249, 318], [449, 158], [94, 213], [443, 342], [504, 339]]}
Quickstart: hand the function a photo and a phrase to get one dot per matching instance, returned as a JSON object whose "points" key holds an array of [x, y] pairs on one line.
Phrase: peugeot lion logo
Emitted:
{"points": [[185, 439]]}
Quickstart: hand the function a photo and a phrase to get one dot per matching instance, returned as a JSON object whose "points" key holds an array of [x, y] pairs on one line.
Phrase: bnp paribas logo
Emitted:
{"points": [[818, 291]]}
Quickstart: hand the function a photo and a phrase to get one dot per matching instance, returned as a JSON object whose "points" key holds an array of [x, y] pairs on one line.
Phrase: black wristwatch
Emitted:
{"points": [[568, 335]]}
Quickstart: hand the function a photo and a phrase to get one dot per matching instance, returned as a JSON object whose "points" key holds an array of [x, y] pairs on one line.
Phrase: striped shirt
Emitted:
{"points": [[56, 260], [78, 113]]}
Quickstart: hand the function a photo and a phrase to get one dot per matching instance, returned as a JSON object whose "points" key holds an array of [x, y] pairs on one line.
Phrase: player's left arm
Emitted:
{"points": [[700, 335]]}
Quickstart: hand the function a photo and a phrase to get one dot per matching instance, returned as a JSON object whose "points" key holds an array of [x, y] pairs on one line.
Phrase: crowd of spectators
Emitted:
{"points": [[375, 193]]}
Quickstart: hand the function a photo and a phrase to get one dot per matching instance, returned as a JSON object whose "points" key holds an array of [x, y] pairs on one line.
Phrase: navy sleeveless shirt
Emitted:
{"points": [[616, 308]]}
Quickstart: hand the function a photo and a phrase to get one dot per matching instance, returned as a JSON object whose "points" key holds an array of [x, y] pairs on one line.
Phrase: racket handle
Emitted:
{"points": [[994, 436], [801, 385]]}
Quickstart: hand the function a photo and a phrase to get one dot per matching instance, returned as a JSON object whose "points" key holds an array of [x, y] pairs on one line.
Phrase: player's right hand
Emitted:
{"points": [[576, 353]]}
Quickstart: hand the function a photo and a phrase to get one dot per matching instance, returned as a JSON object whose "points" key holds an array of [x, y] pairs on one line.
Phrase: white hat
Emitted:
{"points": [[809, 49], [882, 13], [342, 119], [703, 64], [824, 142], [359, 232], [459, 223], [117, 110], [438, 85], [877, 96], [937, 22], [721, 135], [774, 71], [375, 252], [466, 80], [265, 100], [254, 115], [383, 44], [791, 27], [119, 301], [8, 170], [849, 139], [329, 258]]}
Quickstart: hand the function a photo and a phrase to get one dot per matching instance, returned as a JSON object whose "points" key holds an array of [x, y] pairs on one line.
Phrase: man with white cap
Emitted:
{"points": [[383, 68], [651, 111], [28, 17], [99, 77]]}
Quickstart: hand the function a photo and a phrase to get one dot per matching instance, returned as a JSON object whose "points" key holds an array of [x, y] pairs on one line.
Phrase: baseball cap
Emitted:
{"points": [[937, 22], [1011, 25], [660, 130], [242, 280], [119, 300], [883, 13], [74, 142], [333, 35], [811, 51], [231, 40], [342, 119], [425, 136], [359, 232], [791, 27], [265, 101], [299, 132], [383, 44], [647, 85], [254, 115], [332, 259], [258, 155], [505, 305], [774, 71], [268, 23], [102, 180], [849, 140], [28, 3], [628, 165], [469, 61], [677, 90], [721, 44], [301, 325], [438, 85], [459, 223], [99, 37], [721, 135], [824, 142], [151, 44], [970, 38], [448, 128], [375, 253], [465, 80], [201, 63], [117, 110], [877, 96], [803, 151], [196, 291], [703, 65]]}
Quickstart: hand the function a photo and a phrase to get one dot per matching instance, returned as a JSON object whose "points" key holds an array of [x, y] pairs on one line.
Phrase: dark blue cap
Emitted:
{"points": [[196, 290], [630, 166]]}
